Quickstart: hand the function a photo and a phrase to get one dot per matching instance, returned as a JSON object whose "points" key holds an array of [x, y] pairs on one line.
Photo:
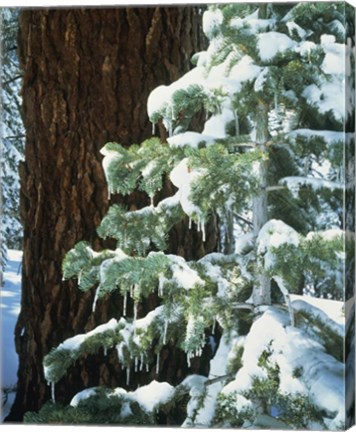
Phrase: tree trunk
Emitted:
{"points": [[87, 76], [262, 288]]}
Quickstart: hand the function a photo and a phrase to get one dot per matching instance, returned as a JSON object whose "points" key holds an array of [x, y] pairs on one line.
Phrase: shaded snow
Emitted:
{"points": [[10, 301]]}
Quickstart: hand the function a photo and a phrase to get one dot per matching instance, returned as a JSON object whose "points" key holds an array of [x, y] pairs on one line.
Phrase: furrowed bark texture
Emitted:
{"points": [[87, 76]]}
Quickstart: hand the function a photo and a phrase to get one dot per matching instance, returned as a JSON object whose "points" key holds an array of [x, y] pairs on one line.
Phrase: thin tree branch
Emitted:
{"points": [[219, 378], [12, 79], [275, 188], [248, 222]]}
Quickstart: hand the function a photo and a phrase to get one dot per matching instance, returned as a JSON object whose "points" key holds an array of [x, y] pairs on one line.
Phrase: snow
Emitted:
{"points": [[329, 96], [294, 27], [329, 136], [272, 43], [245, 70], [272, 235], [215, 127], [322, 376], [294, 183], [305, 48], [85, 394], [192, 139], [149, 397], [182, 177], [253, 22], [10, 301], [212, 19], [154, 394], [183, 275]]}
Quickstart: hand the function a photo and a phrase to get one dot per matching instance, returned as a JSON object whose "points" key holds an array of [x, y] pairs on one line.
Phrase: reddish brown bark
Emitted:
{"points": [[87, 76]]}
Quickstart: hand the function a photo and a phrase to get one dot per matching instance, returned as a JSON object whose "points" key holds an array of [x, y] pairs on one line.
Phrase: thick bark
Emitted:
{"points": [[87, 76]]}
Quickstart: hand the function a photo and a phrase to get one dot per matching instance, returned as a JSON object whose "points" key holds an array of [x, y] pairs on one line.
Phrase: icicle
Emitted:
{"points": [[157, 364], [165, 331], [127, 376], [160, 287], [136, 364], [153, 128], [80, 276], [125, 304], [96, 298], [188, 358], [141, 362], [276, 103], [53, 392], [214, 325], [151, 201], [198, 224], [131, 291], [203, 231], [190, 223], [147, 368], [105, 351], [135, 312]]}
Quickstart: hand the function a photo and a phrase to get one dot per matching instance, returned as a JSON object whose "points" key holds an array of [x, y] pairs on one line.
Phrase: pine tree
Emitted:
{"points": [[12, 132], [269, 164]]}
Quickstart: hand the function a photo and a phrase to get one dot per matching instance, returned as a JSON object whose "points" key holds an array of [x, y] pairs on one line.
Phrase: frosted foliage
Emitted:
{"points": [[292, 348]]}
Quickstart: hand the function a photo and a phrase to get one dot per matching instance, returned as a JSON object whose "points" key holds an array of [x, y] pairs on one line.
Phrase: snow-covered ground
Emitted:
{"points": [[10, 301]]}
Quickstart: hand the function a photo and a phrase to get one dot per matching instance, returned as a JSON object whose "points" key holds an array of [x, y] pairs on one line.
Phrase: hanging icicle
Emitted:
{"points": [[105, 351], [203, 230], [147, 367], [151, 201], [153, 128], [127, 376], [135, 311], [53, 392], [157, 364], [160, 285], [190, 223], [188, 358], [95, 299], [125, 304], [214, 325], [136, 364], [141, 362]]}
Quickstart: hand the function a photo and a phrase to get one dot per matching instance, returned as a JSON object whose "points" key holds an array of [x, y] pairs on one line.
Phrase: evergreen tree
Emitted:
{"points": [[269, 163], [12, 133]]}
